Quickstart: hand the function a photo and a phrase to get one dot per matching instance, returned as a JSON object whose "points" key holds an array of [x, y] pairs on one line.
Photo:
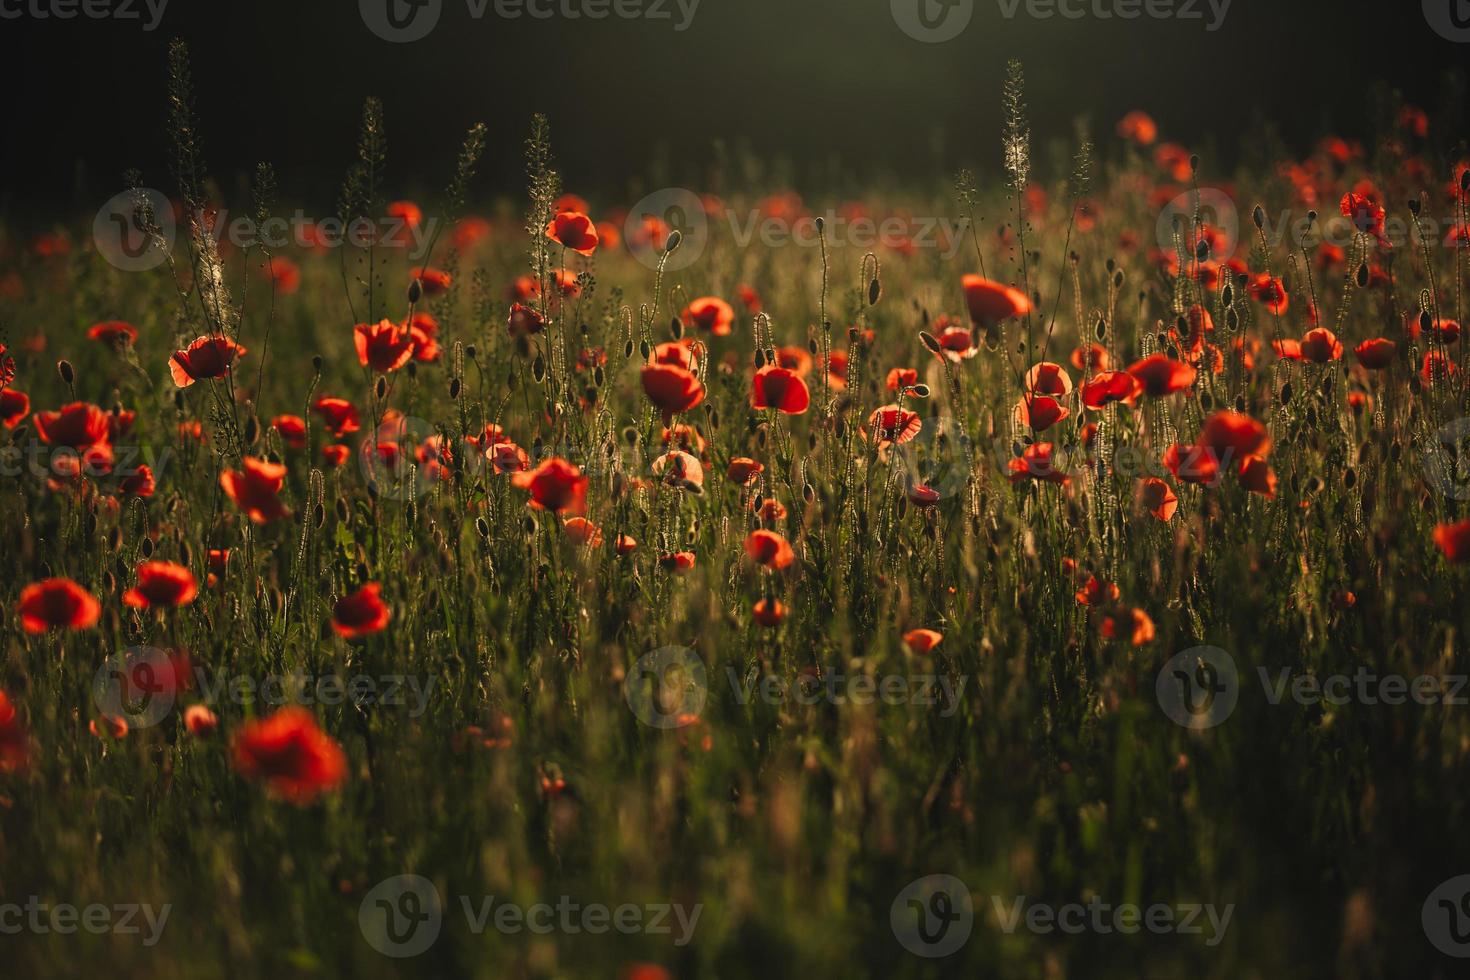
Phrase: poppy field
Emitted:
{"points": [[1060, 572]]}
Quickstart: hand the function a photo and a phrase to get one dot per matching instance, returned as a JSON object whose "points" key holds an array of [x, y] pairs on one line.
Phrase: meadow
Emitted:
{"points": [[1059, 572]]}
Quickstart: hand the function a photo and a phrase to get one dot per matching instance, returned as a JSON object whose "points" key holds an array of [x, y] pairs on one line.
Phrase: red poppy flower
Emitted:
{"points": [[795, 358], [57, 603], [672, 389], [407, 212], [1321, 345], [837, 370], [284, 274], [432, 281], [583, 532], [957, 344], [1454, 541], [139, 483], [205, 358], [336, 454], [339, 415], [768, 612], [1161, 375], [14, 407], [1046, 378], [892, 424], [769, 550], [573, 230], [743, 471], [1138, 127], [1132, 623], [1040, 412], [200, 721], [255, 489], [1377, 353], [1036, 462], [1256, 475], [1231, 436], [1287, 349], [162, 584], [1437, 364], [507, 457], [297, 760], [922, 642], [555, 485], [383, 346], [679, 353], [1093, 357], [15, 746], [991, 302], [113, 332], [680, 469], [1193, 464], [1271, 292], [1158, 498], [625, 544], [361, 613], [710, 314], [1444, 331], [1110, 386], [900, 378], [292, 429], [1367, 214], [1095, 592], [79, 426], [780, 388], [679, 562]]}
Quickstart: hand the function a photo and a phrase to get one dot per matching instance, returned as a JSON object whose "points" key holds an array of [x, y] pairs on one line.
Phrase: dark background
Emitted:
{"points": [[831, 86]]}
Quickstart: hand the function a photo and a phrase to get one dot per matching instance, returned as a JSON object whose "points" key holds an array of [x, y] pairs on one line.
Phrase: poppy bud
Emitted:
{"points": [[821, 224], [481, 527], [415, 292], [146, 550], [64, 368], [1350, 478], [643, 349], [1194, 162], [597, 376], [1227, 295], [454, 386], [1414, 205], [628, 349], [1202, 249], [929, 341], [1101, 330], [1259, 217], [1363, 275], [1118, 279], [469, 351], [676, 328], [1240, 403], [319, 515], [538, 368], [1286, 393], [382, 387], [252, 430], [675, 237], [875, 291], [1426, 321], [1312, 217]]}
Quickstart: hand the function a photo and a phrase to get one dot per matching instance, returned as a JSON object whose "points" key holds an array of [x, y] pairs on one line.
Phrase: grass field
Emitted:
{"points": [[1056, 574]]}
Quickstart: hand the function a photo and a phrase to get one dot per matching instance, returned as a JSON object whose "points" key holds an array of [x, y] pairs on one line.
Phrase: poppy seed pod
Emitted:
{"points": [[675, 237]]}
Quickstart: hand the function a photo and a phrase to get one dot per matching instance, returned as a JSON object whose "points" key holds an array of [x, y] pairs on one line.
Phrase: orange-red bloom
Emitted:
{"points": [[1377, 353], [383, 346], [555, 485], [14, 407], [205, 358], [769, 612], [1158, 498], [57, 603], [1108, 387], [361, 613], [892, 424], [256, 489], [1454, 541], [921, 642], [339, 415], [573, 230], [1321, 345], [1161, 375], [162, 584], [292, 429], [15, 746], [672, 389], [780, 388], [710, 314], [288, 751], [769, 550], [991, 302], [113, 332], [743, 471], [1037, 462], [1231, 436]]}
